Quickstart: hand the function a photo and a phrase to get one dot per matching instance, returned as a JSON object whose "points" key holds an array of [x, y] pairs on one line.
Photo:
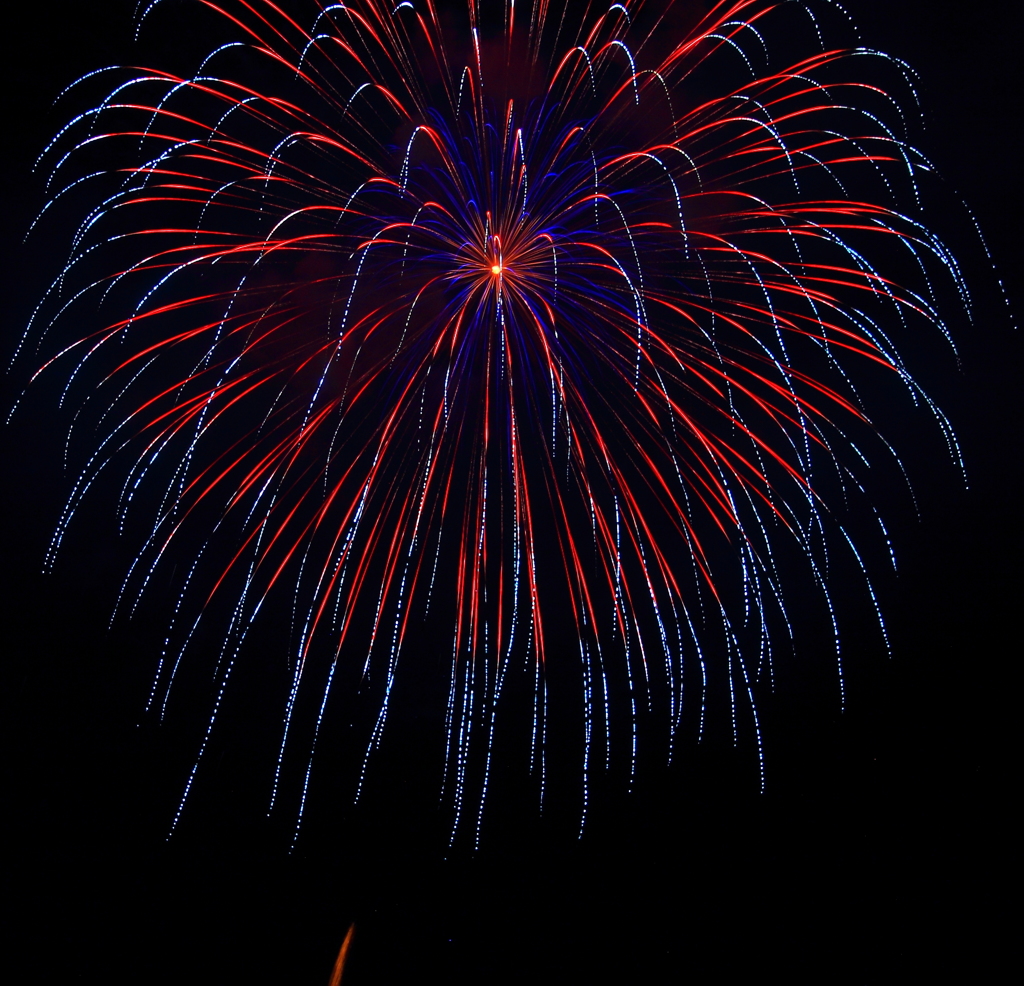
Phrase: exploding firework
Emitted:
{"points": [[500, 348]]}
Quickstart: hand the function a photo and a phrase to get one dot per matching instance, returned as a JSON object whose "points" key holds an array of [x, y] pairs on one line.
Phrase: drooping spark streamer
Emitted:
{"points": [[496, 320]]}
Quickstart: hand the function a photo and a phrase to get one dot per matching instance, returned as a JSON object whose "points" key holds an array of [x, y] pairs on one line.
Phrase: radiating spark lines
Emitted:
{"points": [[534, 327]]}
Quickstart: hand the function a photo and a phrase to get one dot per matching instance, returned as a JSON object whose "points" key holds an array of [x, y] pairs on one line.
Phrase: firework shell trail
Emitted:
{"points": [[542, 328]]}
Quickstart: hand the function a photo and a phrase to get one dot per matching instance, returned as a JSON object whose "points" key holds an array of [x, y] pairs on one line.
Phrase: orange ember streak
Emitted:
{"points": [[339, 964]]}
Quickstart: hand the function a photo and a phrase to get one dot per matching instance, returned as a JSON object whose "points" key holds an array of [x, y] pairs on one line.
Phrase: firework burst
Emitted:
{"points": [[527, 335]]}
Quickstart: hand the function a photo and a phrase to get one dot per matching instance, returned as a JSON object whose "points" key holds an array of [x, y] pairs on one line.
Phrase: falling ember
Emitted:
{"points": [[339, 963], [605, 473]]}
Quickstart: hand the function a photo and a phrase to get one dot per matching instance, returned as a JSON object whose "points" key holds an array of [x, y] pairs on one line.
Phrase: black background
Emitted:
{"points": [[879, 854]]}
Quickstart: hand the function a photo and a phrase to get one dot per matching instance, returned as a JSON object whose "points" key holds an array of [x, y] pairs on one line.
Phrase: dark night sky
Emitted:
{"points": [[877, 856]]}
